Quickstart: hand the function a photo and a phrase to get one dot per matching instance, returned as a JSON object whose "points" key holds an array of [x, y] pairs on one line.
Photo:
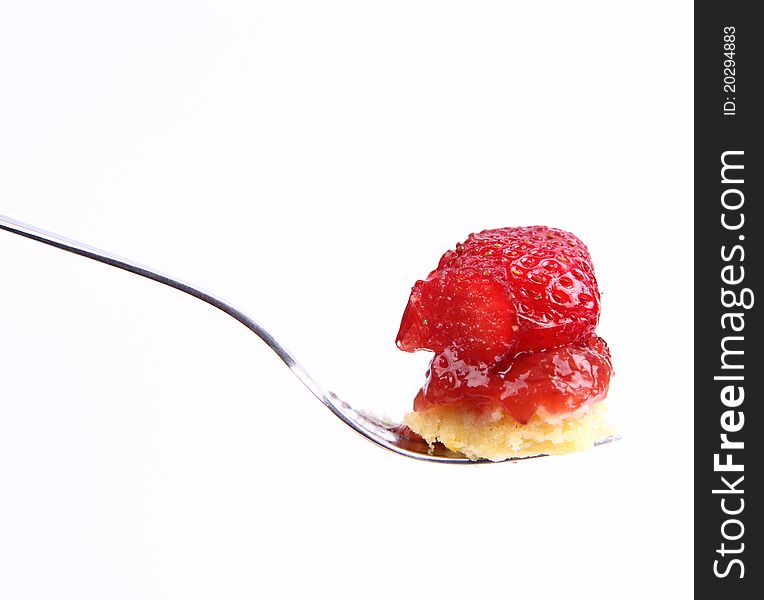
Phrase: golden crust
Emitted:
{"points": [[497, 436]]}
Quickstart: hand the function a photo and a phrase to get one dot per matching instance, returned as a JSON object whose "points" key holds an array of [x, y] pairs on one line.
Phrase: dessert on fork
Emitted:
{"points": [[518, 370]]}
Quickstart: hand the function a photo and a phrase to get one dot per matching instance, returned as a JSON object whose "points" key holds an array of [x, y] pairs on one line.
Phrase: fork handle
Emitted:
{"points": [[75, 247]]}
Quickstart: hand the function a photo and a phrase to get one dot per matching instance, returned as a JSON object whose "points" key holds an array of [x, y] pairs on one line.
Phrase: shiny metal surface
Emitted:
{"points": [[385, 434]]}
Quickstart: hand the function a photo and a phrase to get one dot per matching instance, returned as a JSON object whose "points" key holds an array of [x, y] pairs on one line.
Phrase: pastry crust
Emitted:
{"points": [[497, 436]]}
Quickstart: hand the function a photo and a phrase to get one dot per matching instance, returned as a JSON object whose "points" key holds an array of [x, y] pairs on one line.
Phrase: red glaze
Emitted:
{"points": [[504, 291], [404, 432], [559, 380]]}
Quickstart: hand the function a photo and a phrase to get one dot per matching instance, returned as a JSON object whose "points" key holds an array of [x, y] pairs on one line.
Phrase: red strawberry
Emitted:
{"points": [[558, 381], [462, 308], [504, 291]]}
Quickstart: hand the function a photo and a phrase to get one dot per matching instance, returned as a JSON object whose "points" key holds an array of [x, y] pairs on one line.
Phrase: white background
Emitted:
{"points": [[310, 161]]}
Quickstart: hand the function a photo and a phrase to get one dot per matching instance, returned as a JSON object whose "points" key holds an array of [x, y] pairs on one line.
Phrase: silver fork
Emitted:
{"points": [[388, 435]]}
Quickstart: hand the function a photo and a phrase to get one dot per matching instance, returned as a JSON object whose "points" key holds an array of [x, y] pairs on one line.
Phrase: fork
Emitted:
{"points": [[386, 434]]}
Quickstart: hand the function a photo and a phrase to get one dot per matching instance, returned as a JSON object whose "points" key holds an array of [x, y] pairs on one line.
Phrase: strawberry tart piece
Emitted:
{"points": [[518, 370]]}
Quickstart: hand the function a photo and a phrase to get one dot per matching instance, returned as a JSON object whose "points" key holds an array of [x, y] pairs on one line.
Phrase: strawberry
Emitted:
{"points": [[557, 381], [504, 291]]}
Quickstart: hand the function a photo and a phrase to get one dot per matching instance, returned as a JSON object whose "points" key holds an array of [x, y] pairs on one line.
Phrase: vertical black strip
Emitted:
{"points": [[729, 68]]}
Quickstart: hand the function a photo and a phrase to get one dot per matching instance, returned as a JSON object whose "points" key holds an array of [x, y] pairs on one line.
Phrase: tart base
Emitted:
{"points": [[497, 436]]}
